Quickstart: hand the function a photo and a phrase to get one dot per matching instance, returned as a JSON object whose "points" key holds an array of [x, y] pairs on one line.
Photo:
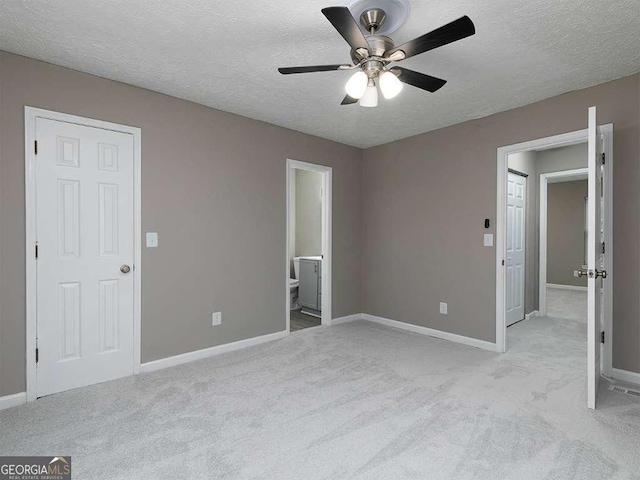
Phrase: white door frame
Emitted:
{"points": [[327, 173], [30, 116], [555, 141], [563, 176]]}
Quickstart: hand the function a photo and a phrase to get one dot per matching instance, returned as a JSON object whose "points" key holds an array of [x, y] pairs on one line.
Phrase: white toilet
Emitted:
{"points": [[293, 285]]}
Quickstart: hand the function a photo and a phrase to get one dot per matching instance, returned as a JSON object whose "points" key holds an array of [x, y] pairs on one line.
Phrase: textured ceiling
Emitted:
{"points": [[224, 54]]}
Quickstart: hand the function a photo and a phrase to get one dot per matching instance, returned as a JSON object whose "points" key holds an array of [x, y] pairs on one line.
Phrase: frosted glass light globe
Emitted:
{"points": [[370, 97], [390, 85], [357, 84]]}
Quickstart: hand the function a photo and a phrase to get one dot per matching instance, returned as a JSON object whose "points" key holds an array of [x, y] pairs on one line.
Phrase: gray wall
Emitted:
{"points": [[418, 242], [564, 158], [308, 213], [565, 231], [556, 160], [213, 187], [426, 198]]}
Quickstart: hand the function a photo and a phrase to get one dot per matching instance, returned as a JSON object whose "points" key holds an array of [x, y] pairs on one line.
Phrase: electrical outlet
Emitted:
{"points": [[443, 308], [216, 319]]}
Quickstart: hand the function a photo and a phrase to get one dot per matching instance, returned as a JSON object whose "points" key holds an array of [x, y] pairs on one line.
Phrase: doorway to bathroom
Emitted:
{"points": [[308, 245]]}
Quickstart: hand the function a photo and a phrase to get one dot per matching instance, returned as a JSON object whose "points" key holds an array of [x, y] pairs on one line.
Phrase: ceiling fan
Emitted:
{"points": [[371, 55]]}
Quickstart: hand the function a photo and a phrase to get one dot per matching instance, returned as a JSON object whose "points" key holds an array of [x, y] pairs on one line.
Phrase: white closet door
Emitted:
{"points": [[85, 235], [516, 205]]}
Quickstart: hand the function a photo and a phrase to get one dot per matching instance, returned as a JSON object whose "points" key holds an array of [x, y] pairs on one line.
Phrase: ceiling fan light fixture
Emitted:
{"points": [[370, 97], [357, 84], [390, 85], [372, 50]]}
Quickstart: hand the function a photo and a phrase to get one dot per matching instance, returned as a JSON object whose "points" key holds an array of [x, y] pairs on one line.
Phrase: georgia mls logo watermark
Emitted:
{"points": [[35, 468]]}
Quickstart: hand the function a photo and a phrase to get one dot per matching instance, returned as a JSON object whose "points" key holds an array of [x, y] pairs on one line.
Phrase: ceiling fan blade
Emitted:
{"points": [[313, 68], [451, 32], [345, 24], [417, 79], [349, 100]]}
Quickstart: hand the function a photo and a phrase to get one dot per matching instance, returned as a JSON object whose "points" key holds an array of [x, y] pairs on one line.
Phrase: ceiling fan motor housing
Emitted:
{"points": [[378, 43]]}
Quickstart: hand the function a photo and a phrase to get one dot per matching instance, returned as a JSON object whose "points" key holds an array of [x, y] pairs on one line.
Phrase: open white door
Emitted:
{"points": [[595, 270]]}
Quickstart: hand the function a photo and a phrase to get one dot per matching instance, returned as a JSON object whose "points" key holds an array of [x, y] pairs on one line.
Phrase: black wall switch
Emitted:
{"points": [[486, 223]]}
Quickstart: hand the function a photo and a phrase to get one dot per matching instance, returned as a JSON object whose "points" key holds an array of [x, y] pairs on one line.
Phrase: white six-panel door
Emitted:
{"points": [[85, 236], [595, 258], [516, 204]]}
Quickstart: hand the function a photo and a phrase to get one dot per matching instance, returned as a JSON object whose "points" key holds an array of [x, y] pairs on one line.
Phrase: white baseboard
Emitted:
{"points": [[452, 337], [625, 376], [348, 318], [209, 352], [566, 287], [14, 400], [533, 314]]}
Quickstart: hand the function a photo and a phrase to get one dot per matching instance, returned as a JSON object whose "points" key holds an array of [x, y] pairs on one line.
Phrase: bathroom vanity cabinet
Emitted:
{"points": [[310, 287]]}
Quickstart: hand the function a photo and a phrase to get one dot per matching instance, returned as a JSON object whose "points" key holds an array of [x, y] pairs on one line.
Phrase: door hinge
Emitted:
{"points": [[603, 158], [36, 250], [603, 247], [601, 337], [35, 146], [37, 354]]}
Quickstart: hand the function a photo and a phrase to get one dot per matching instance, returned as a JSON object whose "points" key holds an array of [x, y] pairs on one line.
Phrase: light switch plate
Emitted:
{"points": [[216, 319], [443, 308], [152, 239], [488, 239]]}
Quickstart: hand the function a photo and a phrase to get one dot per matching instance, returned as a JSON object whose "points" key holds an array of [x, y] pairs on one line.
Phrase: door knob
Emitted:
{"points": [[592, 273], [125, 268]]}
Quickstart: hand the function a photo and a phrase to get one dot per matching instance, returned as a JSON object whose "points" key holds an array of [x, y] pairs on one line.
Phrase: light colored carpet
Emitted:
{"points": [[567, 304], [353, 401]]}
